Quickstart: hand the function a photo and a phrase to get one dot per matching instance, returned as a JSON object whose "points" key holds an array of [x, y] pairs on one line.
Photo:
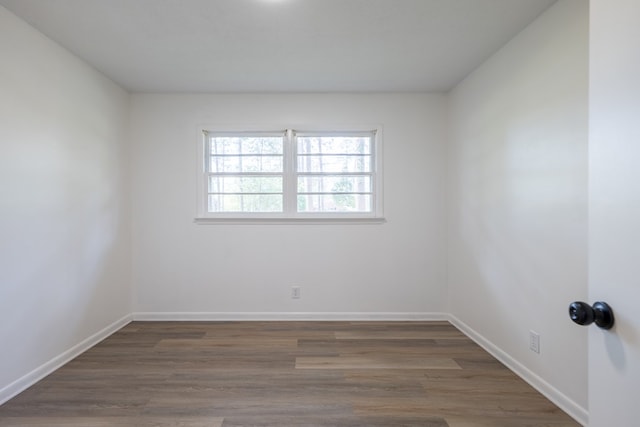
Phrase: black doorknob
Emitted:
{"points": [[584, 314]]}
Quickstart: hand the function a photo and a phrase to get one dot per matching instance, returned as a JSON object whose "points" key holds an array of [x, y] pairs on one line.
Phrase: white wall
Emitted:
{"points": [[223, 270], [614, 210], [64, 229], [517, 195]]}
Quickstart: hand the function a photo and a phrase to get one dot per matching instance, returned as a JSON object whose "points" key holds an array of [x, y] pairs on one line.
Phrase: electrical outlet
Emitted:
{"points": [[295, 292], [534, 342]]}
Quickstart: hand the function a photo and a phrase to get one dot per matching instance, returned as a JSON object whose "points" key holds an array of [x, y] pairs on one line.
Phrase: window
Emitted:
{"points": [[290, 174], [245, 173]]}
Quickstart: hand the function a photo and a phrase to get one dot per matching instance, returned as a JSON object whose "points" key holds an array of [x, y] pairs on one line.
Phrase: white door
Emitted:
{"points": [[614, 209]]}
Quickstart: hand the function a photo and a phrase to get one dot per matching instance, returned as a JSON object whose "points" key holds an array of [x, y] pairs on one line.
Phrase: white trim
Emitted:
{"points": [[275, 316], [289, 196], [565, 403], [57, 362], [288, 221]]}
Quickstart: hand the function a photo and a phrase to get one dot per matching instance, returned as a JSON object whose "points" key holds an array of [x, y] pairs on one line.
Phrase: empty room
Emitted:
{"points": [[319, 213]]}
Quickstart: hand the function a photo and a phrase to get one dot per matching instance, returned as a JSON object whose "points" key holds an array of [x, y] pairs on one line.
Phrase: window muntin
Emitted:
{"points": [[291, 174]]}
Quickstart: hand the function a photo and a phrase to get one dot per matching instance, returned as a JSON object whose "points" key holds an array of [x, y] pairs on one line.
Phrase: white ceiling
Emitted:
{"points": [[281, 45]]}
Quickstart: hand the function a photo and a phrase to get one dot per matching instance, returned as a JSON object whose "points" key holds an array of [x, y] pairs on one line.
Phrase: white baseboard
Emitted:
{"points": [[568, 405], [273, 316], [47, 368]]}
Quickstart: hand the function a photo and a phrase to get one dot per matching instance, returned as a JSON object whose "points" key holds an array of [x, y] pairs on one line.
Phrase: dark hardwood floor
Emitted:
{"points": [[283, 374]]}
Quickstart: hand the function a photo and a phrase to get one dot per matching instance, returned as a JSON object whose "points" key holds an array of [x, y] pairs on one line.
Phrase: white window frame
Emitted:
{"points": [[290, 214]]}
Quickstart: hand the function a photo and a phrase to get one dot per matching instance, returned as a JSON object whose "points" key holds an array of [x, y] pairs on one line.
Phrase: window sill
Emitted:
{"points": [[288, 221]]}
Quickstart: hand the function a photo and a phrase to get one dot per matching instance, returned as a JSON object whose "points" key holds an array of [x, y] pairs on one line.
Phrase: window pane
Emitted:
{"points": [[333, 164], [234, 164], [245, 184], [245, 203], [272, 145], [334, 144], [334, 203], [225, 145], [246, 145], [334, 184]]}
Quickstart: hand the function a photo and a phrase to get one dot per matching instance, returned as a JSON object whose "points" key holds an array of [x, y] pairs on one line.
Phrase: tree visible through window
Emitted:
{"points": [[290, 174]]}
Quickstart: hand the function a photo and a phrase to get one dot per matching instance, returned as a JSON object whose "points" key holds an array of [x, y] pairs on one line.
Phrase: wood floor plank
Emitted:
{"points": [[111, 422], [333, 420], [350, 362], [400, 335], [334, 374], [234, 343], [489, 421]]}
